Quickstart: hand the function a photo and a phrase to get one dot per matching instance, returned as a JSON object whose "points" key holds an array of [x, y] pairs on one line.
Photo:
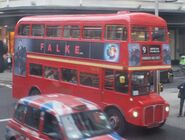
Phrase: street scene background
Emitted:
{"points": [[172, 130]]}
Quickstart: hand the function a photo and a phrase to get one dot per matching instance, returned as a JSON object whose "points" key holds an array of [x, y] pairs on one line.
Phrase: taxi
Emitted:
{"points": [[58, 117]]}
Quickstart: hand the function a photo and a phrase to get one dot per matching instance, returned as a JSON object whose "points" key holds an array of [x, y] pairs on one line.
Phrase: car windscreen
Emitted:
{"points": [[85, 124]]}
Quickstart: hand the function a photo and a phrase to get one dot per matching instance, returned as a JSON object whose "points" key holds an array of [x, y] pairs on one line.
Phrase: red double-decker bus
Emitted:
{"points": [[110, 59]]}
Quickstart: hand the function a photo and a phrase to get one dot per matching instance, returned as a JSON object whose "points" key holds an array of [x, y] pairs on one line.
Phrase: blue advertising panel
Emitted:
{"points": [[91, 50]]}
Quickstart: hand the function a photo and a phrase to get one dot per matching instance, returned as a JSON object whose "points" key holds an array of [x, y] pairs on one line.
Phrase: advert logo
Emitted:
{"points": [[111, 52]]}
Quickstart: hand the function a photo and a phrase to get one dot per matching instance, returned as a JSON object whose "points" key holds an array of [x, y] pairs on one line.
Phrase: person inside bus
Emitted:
{"points": [[181, 88]]}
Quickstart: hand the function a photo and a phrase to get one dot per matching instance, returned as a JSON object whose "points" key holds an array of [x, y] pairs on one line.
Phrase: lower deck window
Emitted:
{"points": [[36, 69], [51, 73], [89, 79]]}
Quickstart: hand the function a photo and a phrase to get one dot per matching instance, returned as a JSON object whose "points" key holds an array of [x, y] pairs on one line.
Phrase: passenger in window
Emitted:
{"points": [[74, 79], [51, 73]]}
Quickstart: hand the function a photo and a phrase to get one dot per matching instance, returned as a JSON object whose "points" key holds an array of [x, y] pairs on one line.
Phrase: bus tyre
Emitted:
{"points": [[34, 92], [117, 121]]}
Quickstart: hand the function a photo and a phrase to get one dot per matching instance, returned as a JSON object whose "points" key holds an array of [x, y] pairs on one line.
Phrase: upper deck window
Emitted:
{"points": [[139, 34], [71, 31], [37, 30], [158, 34], [92, 32], [53, 31], [24, 30], [115, 32]]}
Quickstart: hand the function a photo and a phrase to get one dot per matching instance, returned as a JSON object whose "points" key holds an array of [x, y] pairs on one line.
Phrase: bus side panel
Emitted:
{"points": [[20, 87], [118, 100]]}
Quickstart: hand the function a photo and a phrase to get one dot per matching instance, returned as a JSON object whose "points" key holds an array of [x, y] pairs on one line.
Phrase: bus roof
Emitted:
{"points": [[136, 18]]}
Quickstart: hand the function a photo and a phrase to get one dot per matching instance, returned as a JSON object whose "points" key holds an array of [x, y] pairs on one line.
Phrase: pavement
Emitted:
{"points": [[6, 76]]}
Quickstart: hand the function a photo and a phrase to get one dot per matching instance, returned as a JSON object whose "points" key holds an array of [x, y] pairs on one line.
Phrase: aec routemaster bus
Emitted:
{"points": [[110, 59]]}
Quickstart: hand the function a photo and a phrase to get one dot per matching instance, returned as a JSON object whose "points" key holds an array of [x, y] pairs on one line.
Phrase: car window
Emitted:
{"points": [[51, 125], [20, 112], [32, 117]]}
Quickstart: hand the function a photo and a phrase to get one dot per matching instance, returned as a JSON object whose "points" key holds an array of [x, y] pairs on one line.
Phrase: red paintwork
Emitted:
{"points": [[105, 98], [67, 103]]}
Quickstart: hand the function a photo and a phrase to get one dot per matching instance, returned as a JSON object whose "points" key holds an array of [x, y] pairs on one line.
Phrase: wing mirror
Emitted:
{"points": [[160, 86]]}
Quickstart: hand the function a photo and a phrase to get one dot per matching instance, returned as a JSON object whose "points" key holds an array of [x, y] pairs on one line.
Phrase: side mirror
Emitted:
{"points": [[160, 86], [122, 79]]}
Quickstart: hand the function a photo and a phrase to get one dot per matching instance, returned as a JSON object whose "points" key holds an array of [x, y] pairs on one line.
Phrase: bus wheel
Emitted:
{"points": [[117, 121], [34, 92]]}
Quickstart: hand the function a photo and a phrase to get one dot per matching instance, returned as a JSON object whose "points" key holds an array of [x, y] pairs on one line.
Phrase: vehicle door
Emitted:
{"points": [[89, 87], [51, 128], [31, 124], [115, 89], [15, 126]]}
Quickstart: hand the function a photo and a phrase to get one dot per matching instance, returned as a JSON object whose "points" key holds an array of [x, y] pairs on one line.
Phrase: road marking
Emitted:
{"points": [[4, 120], [6, 85]]}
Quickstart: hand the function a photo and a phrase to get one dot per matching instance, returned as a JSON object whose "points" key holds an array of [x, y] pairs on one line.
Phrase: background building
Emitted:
{"points": [[173, 11]]}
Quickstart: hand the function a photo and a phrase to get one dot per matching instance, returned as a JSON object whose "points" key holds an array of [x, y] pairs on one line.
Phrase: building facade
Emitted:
{"points": [[173, 11]]}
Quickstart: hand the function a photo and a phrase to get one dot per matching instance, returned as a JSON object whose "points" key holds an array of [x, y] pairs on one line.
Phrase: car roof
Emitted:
{"points": [[59, 104]]}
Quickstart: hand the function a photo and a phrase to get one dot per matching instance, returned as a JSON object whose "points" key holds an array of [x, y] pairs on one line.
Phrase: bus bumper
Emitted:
{"points": [[150, 116]]}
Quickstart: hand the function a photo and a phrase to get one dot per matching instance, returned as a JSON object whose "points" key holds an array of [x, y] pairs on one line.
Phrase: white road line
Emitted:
{"points": [[4, 120], [6, 85]]}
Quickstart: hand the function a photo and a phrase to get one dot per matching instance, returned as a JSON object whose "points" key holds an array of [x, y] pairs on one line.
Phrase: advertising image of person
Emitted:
{"points": [[134, 55], [20, 59]]}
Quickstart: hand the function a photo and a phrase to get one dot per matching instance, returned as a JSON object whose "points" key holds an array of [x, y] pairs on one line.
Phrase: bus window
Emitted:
{"points": [[24, 30], [115, 32], [119, 86], [71, 31], [37, 30], [53, 31], [51, 73], [36, 69], [139, 34], [141, 83], [69, 75], [89, 79], [109, 80], [158, 34], [92, 32]]}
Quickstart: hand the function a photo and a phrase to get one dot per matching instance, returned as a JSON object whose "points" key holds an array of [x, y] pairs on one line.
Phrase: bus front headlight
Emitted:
{"points": [[135, 114], [167, 108]]}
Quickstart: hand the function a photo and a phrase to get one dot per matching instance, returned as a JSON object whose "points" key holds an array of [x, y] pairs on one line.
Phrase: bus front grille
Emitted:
{"points": [[153, 115]]}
